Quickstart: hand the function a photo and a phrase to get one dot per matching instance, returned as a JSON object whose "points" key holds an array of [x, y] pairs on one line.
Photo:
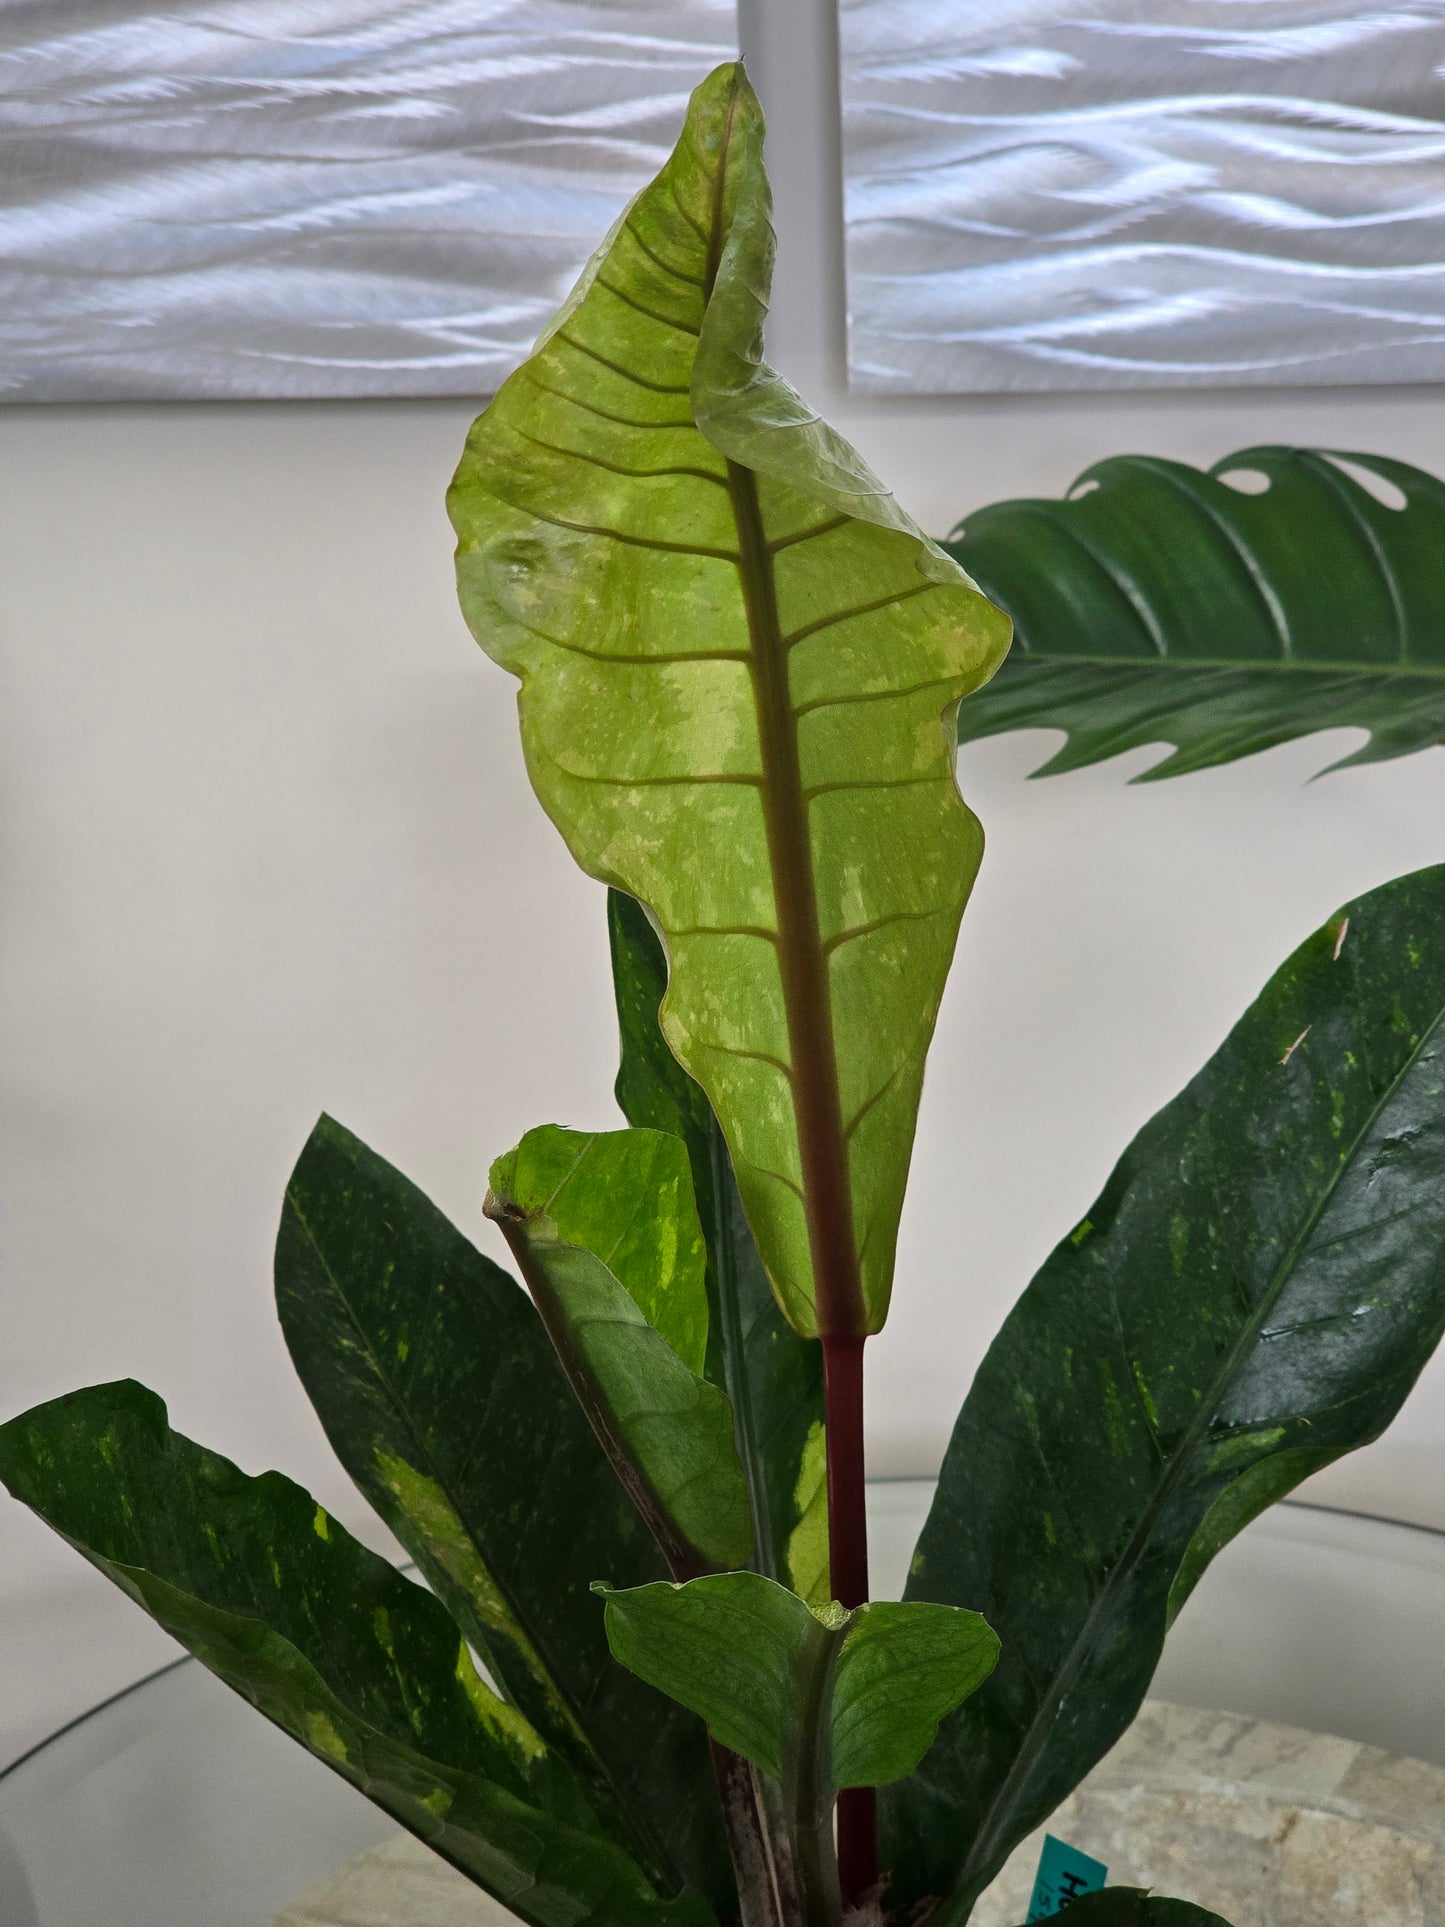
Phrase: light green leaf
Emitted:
{"points": [[627, 1197], [773, 1377], [1160, 604], [741, 665], [840, 1698], [360, 1665], [667, 1431]]}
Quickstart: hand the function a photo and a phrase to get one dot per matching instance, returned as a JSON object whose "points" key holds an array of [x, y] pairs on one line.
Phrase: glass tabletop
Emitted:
{"points": [[175, 1805]]}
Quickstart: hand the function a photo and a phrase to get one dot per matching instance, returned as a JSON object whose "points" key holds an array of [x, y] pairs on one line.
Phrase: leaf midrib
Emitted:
{"points": [[1040, 1727], [802, 962]]}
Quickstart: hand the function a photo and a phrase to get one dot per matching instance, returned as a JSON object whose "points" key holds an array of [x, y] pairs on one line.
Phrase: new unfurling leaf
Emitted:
{"points": [[741, 665]]}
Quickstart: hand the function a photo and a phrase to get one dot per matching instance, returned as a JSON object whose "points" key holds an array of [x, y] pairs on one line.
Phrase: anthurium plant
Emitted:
{"points": [[638, 1679]]}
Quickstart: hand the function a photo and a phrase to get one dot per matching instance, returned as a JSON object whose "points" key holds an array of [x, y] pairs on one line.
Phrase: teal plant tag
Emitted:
{"points": [[1064, 1876]]}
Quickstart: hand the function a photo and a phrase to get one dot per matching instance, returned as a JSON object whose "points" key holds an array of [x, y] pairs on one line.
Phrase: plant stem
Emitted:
{"points": [[848, 1565], [767, 1893], [807, 1783]]}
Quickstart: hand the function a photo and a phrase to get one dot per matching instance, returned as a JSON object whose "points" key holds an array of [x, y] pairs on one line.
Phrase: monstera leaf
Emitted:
{"points": [[1253, 1294], [605, 1231], [1159, 604], [740, 666], [773, 1377], [363, 1667]]}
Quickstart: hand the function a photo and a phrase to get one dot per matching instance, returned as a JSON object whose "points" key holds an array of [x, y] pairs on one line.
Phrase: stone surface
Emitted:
{"points": [[398, 1884], [1268, 1825]]}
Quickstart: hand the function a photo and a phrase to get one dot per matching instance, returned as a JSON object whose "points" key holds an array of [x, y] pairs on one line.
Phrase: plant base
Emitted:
{"points": [[1269, 1825]]}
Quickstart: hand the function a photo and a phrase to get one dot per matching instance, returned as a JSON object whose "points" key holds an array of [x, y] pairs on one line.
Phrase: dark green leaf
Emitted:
{"points": [[855, 1696], [1159, 604], [739, 661], [1253, 1294], [1136, 1907], [364, 1668], [440, 1393], [773, 1377], [667, 1432]]}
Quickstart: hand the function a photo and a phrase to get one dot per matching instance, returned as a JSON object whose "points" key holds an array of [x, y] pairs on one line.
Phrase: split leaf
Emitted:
{"points": [[740, 665], [1159, 604], [667, 1432], [1253, 1294], [441, 1395], [773, 1377], [363, 1667]]}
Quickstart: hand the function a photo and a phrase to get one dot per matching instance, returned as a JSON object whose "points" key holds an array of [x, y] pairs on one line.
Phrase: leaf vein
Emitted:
{"points": [[638, 307], [635, 541], [858, 609], [592, 408], [617, 368], [678, 274]]}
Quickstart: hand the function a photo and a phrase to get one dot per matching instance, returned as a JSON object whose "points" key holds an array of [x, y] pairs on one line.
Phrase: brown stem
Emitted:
{"points": [[684, 1561], [767, 1895], [848, 1565]]}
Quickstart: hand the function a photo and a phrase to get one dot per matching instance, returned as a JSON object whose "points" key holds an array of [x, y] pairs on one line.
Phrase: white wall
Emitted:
{"points": [[266, 846]]}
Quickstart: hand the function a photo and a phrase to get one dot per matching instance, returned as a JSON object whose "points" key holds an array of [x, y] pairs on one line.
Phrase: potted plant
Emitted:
{"points": [[644, 1674]]}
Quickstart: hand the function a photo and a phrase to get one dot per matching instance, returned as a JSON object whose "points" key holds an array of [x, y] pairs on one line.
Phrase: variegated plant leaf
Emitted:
{"points": [[363, 1667], [440, 1393], [741, 665]]}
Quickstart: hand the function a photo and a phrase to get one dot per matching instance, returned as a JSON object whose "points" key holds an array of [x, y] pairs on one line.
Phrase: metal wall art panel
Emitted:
{"points": [[1047, 194], [292, 198]]}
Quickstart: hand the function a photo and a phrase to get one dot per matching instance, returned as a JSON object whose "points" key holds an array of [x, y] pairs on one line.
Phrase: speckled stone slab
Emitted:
{"points": [[1268, 1825]]}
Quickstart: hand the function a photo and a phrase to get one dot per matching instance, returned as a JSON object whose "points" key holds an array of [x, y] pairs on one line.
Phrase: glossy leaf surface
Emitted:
{"points": [[775, 1678], [1253, 1294], [667, 1432], [1159, 604], [1136, 1907], [364, 1668], [441, 1395], [740, 663], [773, 1377]]}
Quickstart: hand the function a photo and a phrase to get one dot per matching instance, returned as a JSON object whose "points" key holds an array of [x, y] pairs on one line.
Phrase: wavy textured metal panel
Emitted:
{"points": [[244, 198], [1144, 193]]}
